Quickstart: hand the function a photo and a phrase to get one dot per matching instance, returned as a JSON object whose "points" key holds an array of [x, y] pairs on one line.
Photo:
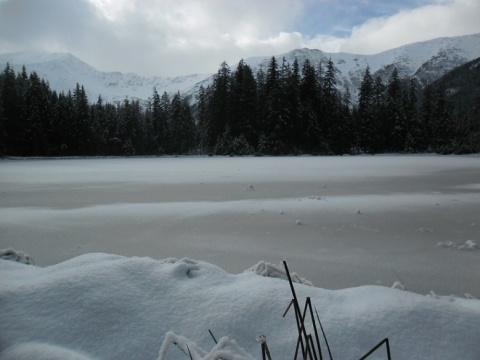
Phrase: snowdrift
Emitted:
{"points": [[100, 306]]}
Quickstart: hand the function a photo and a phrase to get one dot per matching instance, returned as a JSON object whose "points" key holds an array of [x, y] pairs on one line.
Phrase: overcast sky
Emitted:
{"points": [[180, 37]]}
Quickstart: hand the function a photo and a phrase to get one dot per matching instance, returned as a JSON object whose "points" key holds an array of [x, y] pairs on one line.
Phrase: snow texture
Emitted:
{"points": [[469, 245], [198, 207], [225, 348], [14, 255], [101, 306], [267, 269]]}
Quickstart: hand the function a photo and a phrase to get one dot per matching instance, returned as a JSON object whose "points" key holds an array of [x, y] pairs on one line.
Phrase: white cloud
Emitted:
{"points": [[177, 37], [185, 36], [442, 18]]}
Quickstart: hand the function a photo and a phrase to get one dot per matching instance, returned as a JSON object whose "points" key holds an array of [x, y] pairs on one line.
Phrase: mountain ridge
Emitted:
{"points": [[426, 61]]}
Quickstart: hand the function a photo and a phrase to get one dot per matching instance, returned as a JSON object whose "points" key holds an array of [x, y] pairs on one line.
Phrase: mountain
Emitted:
{"points": [[426, 61], [63, 71], [463, 88]]}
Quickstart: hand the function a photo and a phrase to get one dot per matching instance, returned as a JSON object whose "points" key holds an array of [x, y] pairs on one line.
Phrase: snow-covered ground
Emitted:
{"points": [[347, 223]]}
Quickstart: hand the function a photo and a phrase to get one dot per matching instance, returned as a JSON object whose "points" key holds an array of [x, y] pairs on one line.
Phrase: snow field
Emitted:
{"points": [[344, 223], [100, 306], [341, 221]]}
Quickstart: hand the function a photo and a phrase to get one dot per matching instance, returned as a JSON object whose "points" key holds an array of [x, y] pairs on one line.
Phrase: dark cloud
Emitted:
{"points": [[26, 24]]}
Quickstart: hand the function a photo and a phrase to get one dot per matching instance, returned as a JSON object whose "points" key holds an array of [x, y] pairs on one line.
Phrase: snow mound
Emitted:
{"points": [[101, 306], [225, 349], [39, 351], [14, 255], [468, 245], [267, 269]]}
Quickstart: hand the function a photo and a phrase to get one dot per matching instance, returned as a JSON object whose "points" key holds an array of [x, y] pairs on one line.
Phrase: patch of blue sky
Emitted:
{"points": [[338, 17]]}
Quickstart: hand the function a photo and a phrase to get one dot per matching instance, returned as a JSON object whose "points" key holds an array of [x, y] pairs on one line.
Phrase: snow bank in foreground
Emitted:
{"points": [[100, 306]]}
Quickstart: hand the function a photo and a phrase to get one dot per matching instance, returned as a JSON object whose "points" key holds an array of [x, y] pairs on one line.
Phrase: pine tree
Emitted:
{"points": [[202, 116], [334, 124], [443, 127], [292, 106], [219, 106], [394, 121], [243, 104], [38, 117], [413, 132], [366, 113], [81, 134], [379, 113], [182, 126], [314, 139], [160, 113], [13, 127], [99, 128], [274, 123]]}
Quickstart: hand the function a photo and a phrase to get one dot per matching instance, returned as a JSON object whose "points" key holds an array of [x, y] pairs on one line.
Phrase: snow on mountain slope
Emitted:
{"points": [[427, 61], [63, 71]]}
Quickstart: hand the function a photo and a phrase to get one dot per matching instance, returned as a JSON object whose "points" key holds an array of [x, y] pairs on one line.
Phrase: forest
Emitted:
{"points": [[286, 109]]}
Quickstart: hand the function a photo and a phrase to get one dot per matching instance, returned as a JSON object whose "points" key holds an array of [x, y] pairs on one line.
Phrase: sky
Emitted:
{"points": [[181, 37]]}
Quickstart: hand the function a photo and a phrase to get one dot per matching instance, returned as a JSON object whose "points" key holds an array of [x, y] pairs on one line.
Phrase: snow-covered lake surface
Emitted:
{"points": [[347, 223], [339, 221]]}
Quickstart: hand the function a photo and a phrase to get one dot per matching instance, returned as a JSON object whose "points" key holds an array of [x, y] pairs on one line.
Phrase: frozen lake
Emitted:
{"points": [[338, 221]]}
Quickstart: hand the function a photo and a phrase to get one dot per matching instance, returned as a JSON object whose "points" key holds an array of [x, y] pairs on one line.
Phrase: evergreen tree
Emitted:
{"points": [[349, 131], [314, 139], [243, 104], [274, 123], [292, 106], [202, 116], [443, 127], [394, 121], [81, 130], [99, 127], [38, 117], [219, 110], [160, 115], [13, 127], [182, 126], [379, 128], [334, 124], [413, 132], [426, 116], [128, 128], [366, 114]]}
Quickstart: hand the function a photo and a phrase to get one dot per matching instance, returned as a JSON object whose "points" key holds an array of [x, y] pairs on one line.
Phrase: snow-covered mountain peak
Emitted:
{"points": [[64, 70], [426, 61]]}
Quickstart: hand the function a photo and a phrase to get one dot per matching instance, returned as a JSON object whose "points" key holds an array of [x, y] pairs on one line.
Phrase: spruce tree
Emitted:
{"points": [[314, 140], [219, 111], [274, 122], [443, 127], [159, 121], [38, 117], [366, 113], [202, 116], [292, 106], [394, 121], [182, 128], [333, 124], [13, 126], [413, 133], [243, 104]]}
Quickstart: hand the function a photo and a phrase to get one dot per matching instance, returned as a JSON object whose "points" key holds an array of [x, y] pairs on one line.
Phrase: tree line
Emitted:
{"points": [[284, 109]]}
